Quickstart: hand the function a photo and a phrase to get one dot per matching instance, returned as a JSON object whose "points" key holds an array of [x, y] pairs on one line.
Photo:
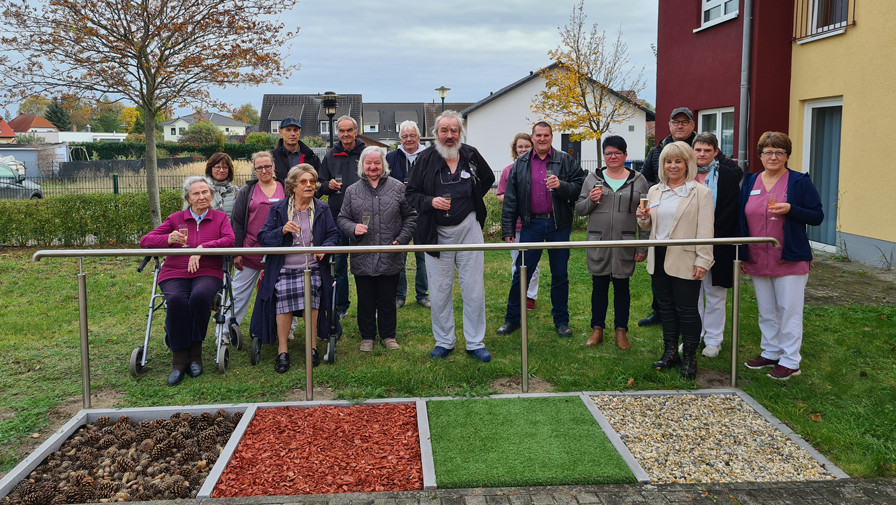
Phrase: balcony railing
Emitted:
{"points": [[818, 18]]}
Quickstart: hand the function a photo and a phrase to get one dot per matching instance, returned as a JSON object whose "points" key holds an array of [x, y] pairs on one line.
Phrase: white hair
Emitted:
{"points": [[408, 125], [379, 151], [193, 179], [347, 118]]}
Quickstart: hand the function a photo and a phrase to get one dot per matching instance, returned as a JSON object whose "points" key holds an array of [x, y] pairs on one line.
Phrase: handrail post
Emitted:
{"points": [[309, 395], [524, 328], [82, 320], [735, 318]]}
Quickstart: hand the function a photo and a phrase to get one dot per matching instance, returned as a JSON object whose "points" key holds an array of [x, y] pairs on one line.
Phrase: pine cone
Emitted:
{"points": [[103, 421], [107, 442], [107, 488], [221, 414], [87, 457], [146, 445], [235, 418]]}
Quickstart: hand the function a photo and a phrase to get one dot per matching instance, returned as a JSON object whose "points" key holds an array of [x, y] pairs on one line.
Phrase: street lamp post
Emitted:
{"points": [[443, 92], [330, 101]]}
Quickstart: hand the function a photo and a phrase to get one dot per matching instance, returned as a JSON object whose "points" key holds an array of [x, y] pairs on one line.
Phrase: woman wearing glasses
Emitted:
{"points": [[299, 220], [250, 212], [778, 202], [220, 169]]}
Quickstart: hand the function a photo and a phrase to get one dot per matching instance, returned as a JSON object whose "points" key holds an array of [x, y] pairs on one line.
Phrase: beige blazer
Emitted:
{"points": [[693, 219]]}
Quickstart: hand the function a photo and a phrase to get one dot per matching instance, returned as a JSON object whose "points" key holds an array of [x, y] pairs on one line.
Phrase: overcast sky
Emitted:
{"points": [[401, 50]]}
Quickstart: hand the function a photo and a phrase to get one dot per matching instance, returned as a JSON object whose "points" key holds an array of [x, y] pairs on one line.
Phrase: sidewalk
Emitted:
{"points": [[845, 491]]}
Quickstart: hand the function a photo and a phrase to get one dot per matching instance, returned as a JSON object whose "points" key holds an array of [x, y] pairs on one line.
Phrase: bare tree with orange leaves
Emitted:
{"points": [[591, 84], [155, 53]]}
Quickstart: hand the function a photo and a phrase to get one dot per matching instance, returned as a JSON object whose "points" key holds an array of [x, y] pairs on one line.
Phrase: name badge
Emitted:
{"points": [[273, 199], [755, 192], [654, 204], [465, 175]]}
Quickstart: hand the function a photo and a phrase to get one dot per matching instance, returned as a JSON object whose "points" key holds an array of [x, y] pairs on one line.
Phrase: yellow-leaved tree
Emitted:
{"points": [[154, 53], [591, 84]]}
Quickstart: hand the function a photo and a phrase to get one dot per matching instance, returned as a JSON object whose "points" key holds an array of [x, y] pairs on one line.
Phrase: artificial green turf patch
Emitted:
{"points": [[521, 442]]}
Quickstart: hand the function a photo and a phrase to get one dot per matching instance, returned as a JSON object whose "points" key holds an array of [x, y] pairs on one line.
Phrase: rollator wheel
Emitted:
{"points": [[223, 358], [330, 357], [136, 360], [236, 335], [255, 352]]}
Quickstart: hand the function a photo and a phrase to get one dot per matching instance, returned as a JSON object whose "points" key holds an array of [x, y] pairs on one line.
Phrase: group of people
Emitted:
{"points": [[687, 189]]}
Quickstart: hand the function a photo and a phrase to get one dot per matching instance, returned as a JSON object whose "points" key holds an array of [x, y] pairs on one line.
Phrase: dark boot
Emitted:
{"points": [[670, 354], [689, 361]]}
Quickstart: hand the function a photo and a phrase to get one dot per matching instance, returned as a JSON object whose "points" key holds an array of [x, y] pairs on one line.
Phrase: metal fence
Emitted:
{"points": [[111, 183], [524, 335]]}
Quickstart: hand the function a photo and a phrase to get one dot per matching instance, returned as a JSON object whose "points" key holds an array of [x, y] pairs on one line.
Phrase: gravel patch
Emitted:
{"points": [[705, 438]]}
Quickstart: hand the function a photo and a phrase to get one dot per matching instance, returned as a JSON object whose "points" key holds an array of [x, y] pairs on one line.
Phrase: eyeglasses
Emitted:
{"points": [[264, 168], [676, 122], [305, 182], [774, 154], [221, 168], [613, 154]]}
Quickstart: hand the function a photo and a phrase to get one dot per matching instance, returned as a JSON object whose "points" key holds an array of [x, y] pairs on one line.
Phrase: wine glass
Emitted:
{"points": [[447, 196], [548, 175], [365, 220], [772, 200], [185, 231], [339, 181]]}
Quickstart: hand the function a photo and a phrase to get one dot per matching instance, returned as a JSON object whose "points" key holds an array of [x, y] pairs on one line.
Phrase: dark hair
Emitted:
{"points": [[775, 139], [214, 160], [615, 141], [517, 138], [707, 138], [543, 124]]}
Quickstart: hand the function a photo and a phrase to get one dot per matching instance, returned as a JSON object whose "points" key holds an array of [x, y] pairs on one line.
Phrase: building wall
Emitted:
{"points": [[857, 66], [491, 127]]}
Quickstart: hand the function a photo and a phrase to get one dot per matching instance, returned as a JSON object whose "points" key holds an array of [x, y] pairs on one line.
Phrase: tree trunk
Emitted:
{"points": [[151, 166]]}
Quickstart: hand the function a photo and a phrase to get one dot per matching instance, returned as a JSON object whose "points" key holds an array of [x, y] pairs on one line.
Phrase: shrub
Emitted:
{"points": [[261, 140], [202, 133], [83, 219]]}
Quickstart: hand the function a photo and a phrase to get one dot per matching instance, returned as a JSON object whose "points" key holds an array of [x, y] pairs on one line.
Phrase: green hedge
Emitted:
{"points": [[136, 150], [79, 220]]}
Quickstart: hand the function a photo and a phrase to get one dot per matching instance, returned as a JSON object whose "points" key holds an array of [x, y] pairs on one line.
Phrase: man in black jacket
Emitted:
{"points": [[339, 170], [291, 151], [681, 126], [541, 190]]}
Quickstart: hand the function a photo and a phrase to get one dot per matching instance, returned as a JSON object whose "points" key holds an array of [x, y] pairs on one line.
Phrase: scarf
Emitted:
{"points": [[712, 179]]}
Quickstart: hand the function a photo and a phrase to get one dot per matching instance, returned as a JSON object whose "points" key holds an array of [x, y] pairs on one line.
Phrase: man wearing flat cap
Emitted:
{"points": [[291, 151], [681, 126]]}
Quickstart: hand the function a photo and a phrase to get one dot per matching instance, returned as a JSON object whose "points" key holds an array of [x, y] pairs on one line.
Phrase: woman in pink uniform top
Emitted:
{"points": [[778, 202]]}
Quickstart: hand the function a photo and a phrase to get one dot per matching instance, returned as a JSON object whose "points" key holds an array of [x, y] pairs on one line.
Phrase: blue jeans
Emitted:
{"points": [[341, 266], [542, 230]]}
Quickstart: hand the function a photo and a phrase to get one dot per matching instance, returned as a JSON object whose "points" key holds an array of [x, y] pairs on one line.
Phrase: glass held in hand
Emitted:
{"points": [[643, 203], [548, 175], [185, 231], [365, 220], [772, 201], [447, 197], [339, 181]]}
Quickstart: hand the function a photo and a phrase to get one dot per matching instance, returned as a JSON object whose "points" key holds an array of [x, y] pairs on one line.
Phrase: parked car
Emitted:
{"points": [[15, 186]]}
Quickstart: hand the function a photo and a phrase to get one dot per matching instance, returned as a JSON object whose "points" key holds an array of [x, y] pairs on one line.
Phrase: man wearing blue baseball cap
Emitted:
{"points": [[291, 151]]}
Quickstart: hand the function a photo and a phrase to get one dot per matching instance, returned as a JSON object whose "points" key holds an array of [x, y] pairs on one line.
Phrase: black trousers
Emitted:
{"points": [[376, 305], [677, 300]]}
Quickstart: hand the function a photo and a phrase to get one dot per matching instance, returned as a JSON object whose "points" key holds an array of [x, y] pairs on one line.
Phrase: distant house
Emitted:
{"points": [[7, 134], [309, 110], [174, 128], [29, 123], [381, 119], [493, 121], [818, 73]]}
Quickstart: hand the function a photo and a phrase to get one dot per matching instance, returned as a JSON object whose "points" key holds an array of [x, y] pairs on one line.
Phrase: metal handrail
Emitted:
{"points": [[505, 246]]}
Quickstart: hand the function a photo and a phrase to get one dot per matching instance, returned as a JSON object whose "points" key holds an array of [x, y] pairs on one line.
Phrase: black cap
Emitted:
{"points": [[682, 110], [291, 121]]}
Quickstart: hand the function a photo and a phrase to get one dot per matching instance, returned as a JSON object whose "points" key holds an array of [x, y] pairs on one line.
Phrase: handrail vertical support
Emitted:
{"points": [[82, 320], [309, 395], [735, 319], [524, 329]]}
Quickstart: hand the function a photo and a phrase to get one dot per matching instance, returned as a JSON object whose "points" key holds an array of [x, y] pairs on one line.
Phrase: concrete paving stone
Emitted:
{"points": [[565, 499], [474, 500], [519, 499], [384, 501], [542, 499], [693, 495], [453, 500], [878, 493], [497, 500], [631, 498], [586, 497]]}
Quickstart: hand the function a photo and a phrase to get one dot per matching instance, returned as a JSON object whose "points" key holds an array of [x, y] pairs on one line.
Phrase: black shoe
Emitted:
{"points": [[650, 320], [508, 328], [195, 369], [281, 364], [315, 358], [176, 377], [563, 330]]}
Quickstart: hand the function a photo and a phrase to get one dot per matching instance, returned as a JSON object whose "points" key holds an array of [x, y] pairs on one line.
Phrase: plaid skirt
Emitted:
{"points": [[290, 290]]}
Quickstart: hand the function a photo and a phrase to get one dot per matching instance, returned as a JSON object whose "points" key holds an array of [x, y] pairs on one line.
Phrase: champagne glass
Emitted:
{"points": [[339, 181], [447, 196], [185, 231], [548, 175], [643, 202], [365, 220], [600, 189], [772, 200]]}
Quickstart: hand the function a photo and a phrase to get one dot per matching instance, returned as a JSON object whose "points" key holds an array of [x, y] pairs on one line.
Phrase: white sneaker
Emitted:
{"points": [[711, 351]]}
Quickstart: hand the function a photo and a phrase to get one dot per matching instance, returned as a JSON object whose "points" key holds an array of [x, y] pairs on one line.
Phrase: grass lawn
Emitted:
{"points": [[521, 442], [849, 416]]}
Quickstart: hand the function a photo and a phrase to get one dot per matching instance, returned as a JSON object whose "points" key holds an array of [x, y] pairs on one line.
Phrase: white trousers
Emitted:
{"points": [[470, 267], [711, 306], [780, 301], [532, 290], [243, 282]]}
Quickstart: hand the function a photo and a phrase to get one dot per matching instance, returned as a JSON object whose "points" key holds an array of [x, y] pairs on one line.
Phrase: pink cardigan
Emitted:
{"points": [[213, 231]]}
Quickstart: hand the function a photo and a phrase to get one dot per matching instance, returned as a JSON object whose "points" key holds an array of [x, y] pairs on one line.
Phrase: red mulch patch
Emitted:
{"points": [[318, 450]]}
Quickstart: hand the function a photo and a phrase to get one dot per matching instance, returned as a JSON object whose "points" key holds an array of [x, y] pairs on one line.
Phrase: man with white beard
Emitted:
{"points": [[447, 188]]}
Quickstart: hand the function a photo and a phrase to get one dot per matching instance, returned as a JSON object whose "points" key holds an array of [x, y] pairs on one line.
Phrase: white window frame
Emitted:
{"points": [[807, 148], [813, 29], [711, 4], [371, 128], [275, 126], [173, 131], [718, 131], [324, 127]]}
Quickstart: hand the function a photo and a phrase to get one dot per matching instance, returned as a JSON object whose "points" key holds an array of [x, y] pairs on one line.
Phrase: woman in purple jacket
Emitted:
{"points": [[190, 282]]}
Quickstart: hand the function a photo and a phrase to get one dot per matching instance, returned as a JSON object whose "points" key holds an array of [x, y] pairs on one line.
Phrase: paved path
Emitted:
{"points": [[846, 491]]}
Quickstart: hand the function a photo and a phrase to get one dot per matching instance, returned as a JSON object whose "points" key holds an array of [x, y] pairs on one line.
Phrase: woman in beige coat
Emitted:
{"points": [[678, 208]]}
